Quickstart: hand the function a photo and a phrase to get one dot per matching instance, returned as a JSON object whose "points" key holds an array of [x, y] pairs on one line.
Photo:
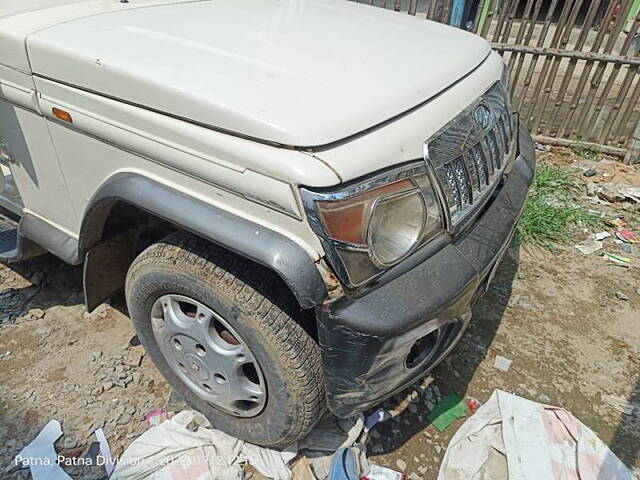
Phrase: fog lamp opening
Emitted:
{"points": [[423, 349]]}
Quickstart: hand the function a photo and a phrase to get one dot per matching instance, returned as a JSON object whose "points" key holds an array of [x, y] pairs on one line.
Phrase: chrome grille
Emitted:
{"points": [[494, 149], [481, 166], [468, 160]]}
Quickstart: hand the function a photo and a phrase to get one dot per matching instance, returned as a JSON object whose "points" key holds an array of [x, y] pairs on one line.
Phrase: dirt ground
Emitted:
{"points": [[569, 323]]}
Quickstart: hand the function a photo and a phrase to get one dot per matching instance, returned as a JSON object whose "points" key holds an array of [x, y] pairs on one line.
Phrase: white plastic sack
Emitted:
{"points": [[512, 438], [186, 447]]}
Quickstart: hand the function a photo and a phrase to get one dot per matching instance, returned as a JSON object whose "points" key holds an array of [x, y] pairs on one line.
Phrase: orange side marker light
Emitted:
{"points": [[62, 115]]}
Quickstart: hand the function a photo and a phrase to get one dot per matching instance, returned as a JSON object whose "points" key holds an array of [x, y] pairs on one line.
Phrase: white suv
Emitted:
{"points": [[301, 198]]}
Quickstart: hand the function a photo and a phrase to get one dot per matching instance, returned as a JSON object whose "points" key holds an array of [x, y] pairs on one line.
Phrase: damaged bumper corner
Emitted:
{"points": [[377, 344]]}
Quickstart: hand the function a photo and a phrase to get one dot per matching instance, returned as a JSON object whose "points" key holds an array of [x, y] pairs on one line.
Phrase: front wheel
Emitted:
{"points": [[229, 337]]}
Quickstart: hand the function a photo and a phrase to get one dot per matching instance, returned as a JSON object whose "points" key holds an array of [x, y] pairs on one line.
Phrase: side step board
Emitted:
{"points": [[13, 246]]}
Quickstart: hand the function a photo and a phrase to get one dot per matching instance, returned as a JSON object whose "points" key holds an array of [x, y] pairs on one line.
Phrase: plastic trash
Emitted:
{"points": [[502, 363], [381, 473], [40, 455], [157, 417], [329, 435], [627, 235], [448, 410], [601, 235], [345, 465], [186, 446], [373, 419], [632, 193], [512, 438], [617, 259], [473, 404], [617, 223], [301, 470], [589, 246], [625, 247], [105, 451]]}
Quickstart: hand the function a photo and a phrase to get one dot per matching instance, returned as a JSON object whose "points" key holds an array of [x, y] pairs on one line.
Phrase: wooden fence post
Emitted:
{"points": [[633, 154]]}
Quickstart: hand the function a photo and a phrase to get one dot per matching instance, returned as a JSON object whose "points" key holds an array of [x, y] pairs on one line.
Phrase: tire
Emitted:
{"points": [[258, 308]]}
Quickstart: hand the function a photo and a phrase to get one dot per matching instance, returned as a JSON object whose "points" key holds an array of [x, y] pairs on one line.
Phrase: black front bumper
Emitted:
{"points": [[367, 341]]}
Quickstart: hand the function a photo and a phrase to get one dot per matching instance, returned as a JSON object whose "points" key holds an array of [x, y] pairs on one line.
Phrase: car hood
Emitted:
{"points": [[292, 72]]}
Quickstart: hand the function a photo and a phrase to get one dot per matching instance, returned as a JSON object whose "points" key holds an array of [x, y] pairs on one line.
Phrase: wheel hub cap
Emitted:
{"points": [[208, 355]]}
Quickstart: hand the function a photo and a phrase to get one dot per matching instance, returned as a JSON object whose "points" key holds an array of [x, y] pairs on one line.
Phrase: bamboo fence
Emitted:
{"points": [[573, 64]]}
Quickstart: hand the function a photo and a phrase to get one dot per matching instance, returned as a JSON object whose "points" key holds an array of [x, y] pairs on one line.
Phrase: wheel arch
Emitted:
{"points": [[238, 235]]}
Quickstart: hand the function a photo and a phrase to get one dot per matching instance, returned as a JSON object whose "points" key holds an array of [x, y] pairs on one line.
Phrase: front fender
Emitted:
{"points": [[250, 240]]}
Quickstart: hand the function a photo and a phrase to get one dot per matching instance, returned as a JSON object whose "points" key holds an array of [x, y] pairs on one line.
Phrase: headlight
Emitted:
{"points": [[396, 225], [370, 225]]}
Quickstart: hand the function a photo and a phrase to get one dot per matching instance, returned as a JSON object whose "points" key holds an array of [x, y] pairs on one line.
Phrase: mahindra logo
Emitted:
{"points": [[483, 117]]}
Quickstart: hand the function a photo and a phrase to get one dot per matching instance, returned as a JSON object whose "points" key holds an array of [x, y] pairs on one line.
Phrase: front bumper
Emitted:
{"points": [[369, 344]]}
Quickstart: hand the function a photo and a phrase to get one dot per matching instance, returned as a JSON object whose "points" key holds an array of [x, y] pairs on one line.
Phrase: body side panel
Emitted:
{"points": [[136, 128], [88, 162], [173, 170], [18, 87], [62, 243], [35, 166]]}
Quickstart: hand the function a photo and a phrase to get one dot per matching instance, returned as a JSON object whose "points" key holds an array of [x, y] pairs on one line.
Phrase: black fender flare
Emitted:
{"points": [[247, 239]]}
